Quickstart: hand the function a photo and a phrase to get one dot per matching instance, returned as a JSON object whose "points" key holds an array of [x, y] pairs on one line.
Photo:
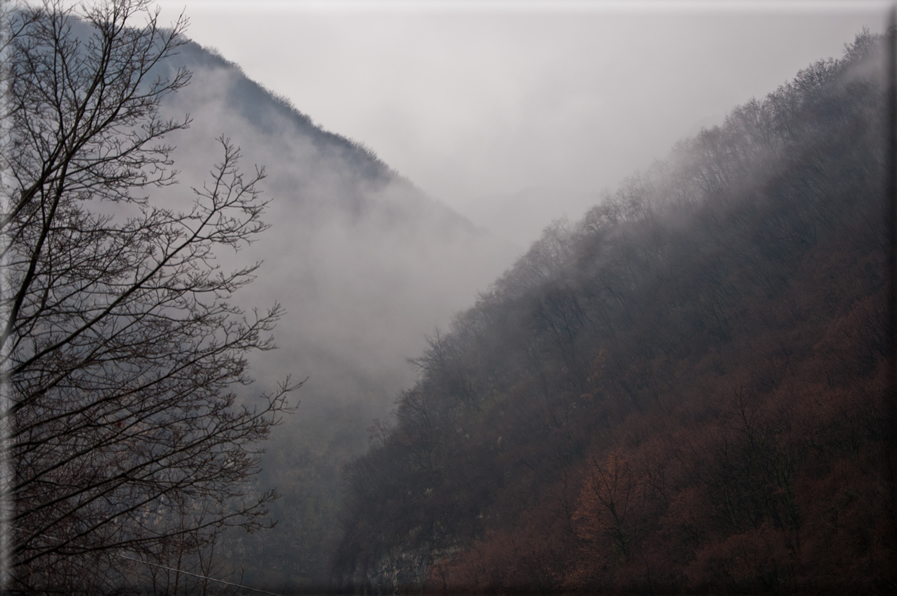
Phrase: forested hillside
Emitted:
{"points": [[684, 391]]}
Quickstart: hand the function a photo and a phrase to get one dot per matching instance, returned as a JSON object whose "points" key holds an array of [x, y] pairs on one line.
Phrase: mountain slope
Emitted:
{"points": [[682, 391], [365, 265]]}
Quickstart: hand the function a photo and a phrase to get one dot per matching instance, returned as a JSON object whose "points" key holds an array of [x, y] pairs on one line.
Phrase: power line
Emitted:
{"points": [[197, 575], [212, 579]]}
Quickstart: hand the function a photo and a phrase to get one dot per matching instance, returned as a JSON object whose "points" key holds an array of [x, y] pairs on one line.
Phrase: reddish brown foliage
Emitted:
{"points": [[715, 384]]}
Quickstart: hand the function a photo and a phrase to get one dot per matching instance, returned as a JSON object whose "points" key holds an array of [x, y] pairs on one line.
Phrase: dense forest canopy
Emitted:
{"points": [[682, 391]]}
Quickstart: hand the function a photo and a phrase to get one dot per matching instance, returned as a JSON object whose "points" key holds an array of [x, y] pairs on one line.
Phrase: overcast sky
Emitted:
{"points": [[476, 100]]}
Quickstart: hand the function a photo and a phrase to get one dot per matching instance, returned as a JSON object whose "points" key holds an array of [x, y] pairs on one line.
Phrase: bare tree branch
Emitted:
{"points": [[119, 340]]}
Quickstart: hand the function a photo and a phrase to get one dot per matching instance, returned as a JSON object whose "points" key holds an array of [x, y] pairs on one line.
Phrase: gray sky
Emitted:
{"points": [[478, 100]]}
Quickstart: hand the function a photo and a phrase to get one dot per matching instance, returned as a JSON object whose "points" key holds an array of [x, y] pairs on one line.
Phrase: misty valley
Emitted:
{"points": [[242, 354]]}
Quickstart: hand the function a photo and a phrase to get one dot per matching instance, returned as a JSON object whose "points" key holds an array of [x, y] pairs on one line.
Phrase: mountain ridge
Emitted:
{"points": [[681, 392], [365, 264]]}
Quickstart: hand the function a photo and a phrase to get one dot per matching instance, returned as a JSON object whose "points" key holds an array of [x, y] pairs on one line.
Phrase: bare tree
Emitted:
{"points": [[121, 345]]}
